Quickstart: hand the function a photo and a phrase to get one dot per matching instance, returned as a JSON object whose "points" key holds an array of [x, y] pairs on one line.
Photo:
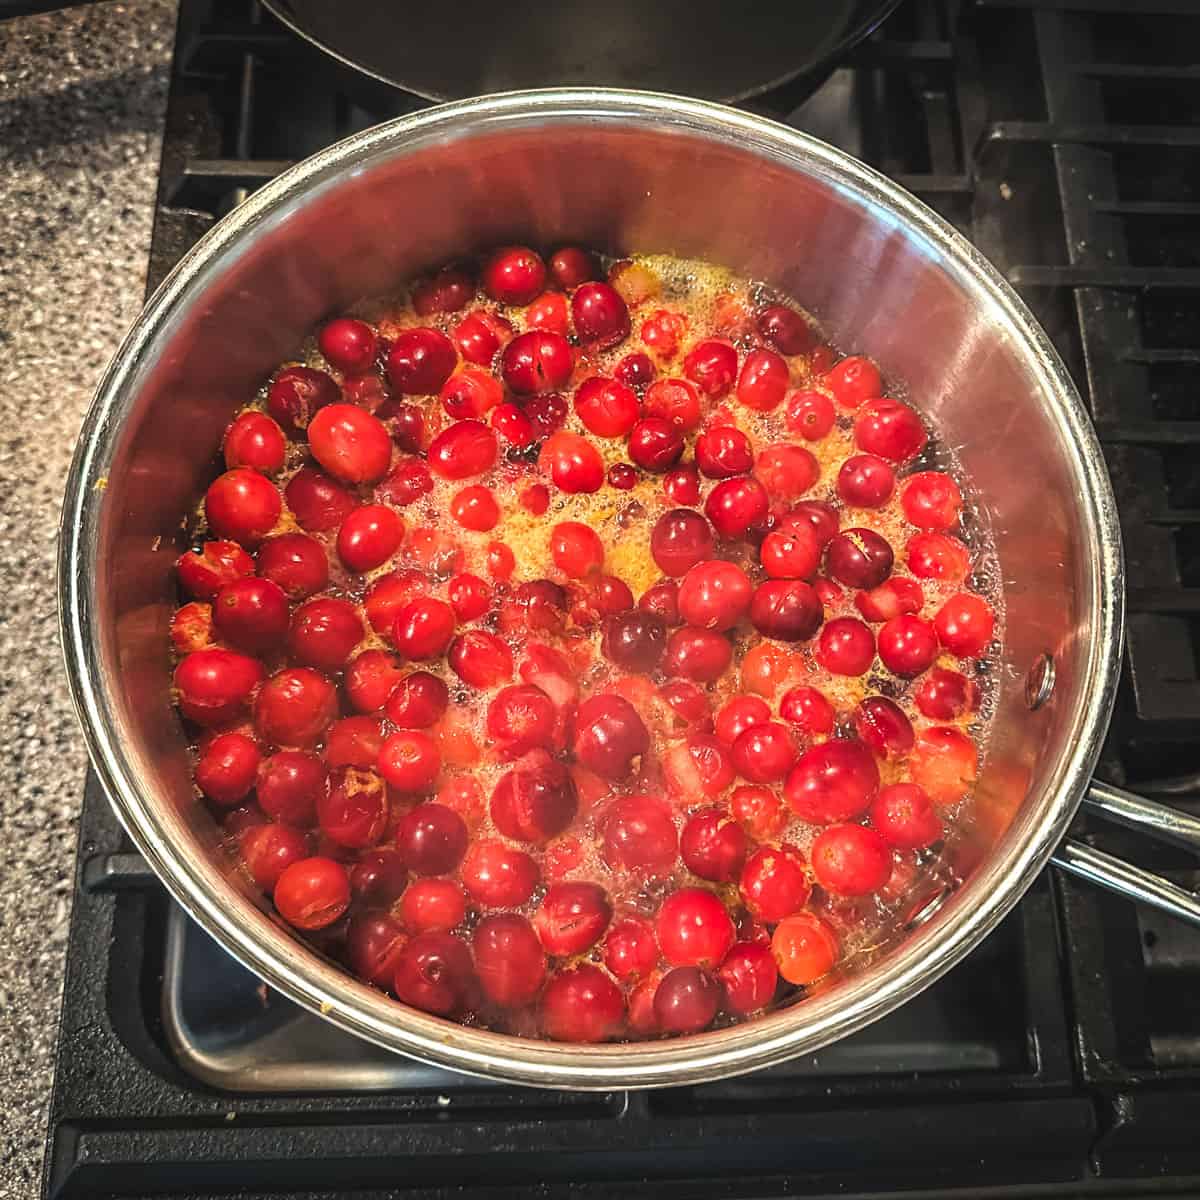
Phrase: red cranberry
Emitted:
{"points": [[369, 536], [268, 851], [475, 508], [408, 481], [410, 761], [965, 624], [537, 361], [408, 428], [697, 766], [469, 596], [795, 554], [739, 714], [324, 633], [774, 882], [749, 976], [576, 549], [606, 407], [255, 441], [689, 704], [350, 443], [786, 471], [944, 763], [785, 329], [434, 973], [853, 380], [680, 539], [805, 948], [931, 500], [374, 942], [630, 950], [379, 878], [214, 685], [714, 595], [599, 314], [810, 414], [937, 556], [535, 801], [354, 811], [296, 394], [712, 367], [945, 695], [764, 753], [572, 462], [431, 838], [655, 444], [686, 1000], [634, 641], [808, 710], [639, 836], [512, 424], [702, 655], [846, 647], [763, 381], [467, 448], [681, 485], [480, 659], [904, 817], [289, 784], [520, 718], [417, 701], [662, 330], [479, 335], [447, 291], [513, 275], [535, 499], [889, 429], [572, 917], [662, 599], [498, 876], [242, 505], [758, 810], [882, 725], [353, 742], [851, 860], [294, 707], [424, 628], [251, 614], [508, 960], [907, 645], [859, 558], [694, 928], [471, 393], [571, 266], [787, 610], [389, 594], [821, 517], [835, 781], [609, 735], [735, 506], [316, 501], [635, 371], [295, 562], [894, 597], [312, 893], [581, 1004], [349, 345], [227, 768], [723, 451], [622, 476], [433, 906], [202, 573], [546, 412], [713, 846], [674, 400], [865, 481], [548, 311]]}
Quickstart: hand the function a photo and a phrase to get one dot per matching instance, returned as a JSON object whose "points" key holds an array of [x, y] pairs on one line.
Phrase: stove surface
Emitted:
{"points": [[1062, 1058]]}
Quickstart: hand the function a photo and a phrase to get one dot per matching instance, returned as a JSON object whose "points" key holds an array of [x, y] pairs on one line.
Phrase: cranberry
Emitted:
{"points": [[581, 1004], [255, 441], [739, 714], [294, 707], [471, 393], [369, 536], [354, 811], [688, 703], [535, 499], [433, 906], [520, 718], [835, 781], [546, 413], [662, 599], [937, 556], [374, 942], [496, 875], [889, 429], [865, 481], [662, 330], [641, 1018], [655, 444], [408, 428], [681, 485], [481, 659], [202, 573], [296, 394], [214, 685], [424, 628], [312, 893], [537, 361], [548, 311], [324, 633], [895, 597], [388, 595], [434, 973], [508, 960], [694, 928], [242, 505], [763, 381], [609, 735], [714, 595], [410, 761], [785, 329], [599, 314], [576, 549], [749, 976], [945, 695], [417, 701], [316, 501], [788, 610], [634, 641], [805, 948], [735, 506], [431, 837], [907, 645], [713, 846], [808, 710], [268, 850], [513, 275], [944, 763], [821, 517], [535, 801], [846, 647], [786, 471], [674, 400], [774, 882], [931, 500], [635, 371], [639, 835], [702, 655], [697, 766], [227, 768], [622, 476], [479, 335], [379, 878], [686, 1000], [353, 742], [512, 424], [251, 614], [965, 624], [289, 784], [882, 725], [795, 554], [681, 538], [810, 414], [571, 266], [606, 407], [859, 558], [408, 481], [853, 380], [572, 462], [447, 291], [349, 345], [758, 810], [851, 860], [764, 753], [295, 562], [630, 950], [572, 917], [723, 451], [475, 508], [192, 627], [469, 596], [765, 668], [904, 817], [467, 448], [712, 367]]}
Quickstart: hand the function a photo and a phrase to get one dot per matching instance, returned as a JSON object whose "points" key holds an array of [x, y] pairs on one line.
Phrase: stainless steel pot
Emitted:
{"points": [[626, 171]]}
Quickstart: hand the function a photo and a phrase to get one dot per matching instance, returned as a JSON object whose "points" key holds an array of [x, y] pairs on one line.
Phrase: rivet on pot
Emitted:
{"points": [[1039, 683]]}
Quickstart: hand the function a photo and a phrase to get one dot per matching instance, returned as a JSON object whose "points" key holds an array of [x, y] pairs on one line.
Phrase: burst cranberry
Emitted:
{"points": [[859, 558], [479, 336], [795, 554], [774, 882], [379, 878], [471, 393], [865, 481], [937, 556], [764, 753], [581, 1004], [686, 1000], [808, 710], [296, 394], [242, 505], [410, 761], [295, 562], [324, 633], [431, 838], [513, 425], [945, 695], [630, 950], [571, 266], [635, 371], [907, 645], [354, 812], [694, 928], [255, 441], [853, 380], [407, 482], [702, 655], [680, 539], [662, 330], [890, 430], [348, 345], [213, 686], [805, 948], [251, 614], [895, 597], [312, 893], [735, 506], [810, 414], [227, 768], [655, 444], [965, 624], [723, 451], [535, 499], [572, 917], [606, 407], [609, 735], [434, 973], [689, 705], [354, 742], [423, 628], [931, 500], [546, 412], [417, 701], [572, 462], [537, 361], [202, 573], [846, 647], [634, 641], [713, 846], [508, 960], [714, 595], [697, 766], [944, 763], [786, 471], [749, 976], [388, 595], [904, 817], [851, 860], [294, 707], [289, 784], [639, 835], [535, 801], [513, 275], [467, 448], [433, 906], [787, 610], [832, 782], [599, 314], [758, 810], [785, 329], [739, 714], [520, 718], [712, 367], [268, 851], [498, 876], [674, 400], [763, 381], [447, 291], [882, 725], [374, 942], [548, 311], [481, 659]]}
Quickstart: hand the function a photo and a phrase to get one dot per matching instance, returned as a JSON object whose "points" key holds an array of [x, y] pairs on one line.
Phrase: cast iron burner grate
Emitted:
{"points": [[1063, 1057]]}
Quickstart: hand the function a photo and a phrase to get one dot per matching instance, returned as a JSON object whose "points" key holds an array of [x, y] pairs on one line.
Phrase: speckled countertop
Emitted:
{"points": [[82, 96]]}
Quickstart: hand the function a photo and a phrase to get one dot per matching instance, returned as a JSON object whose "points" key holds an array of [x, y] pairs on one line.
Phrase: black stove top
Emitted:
{"points": [[1063, 1057]]}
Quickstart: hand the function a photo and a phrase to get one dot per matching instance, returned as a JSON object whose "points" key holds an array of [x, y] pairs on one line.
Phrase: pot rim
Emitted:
{"points": [[326, 989]]}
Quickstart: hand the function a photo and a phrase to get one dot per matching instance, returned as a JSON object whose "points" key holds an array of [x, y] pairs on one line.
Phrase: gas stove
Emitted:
{"points": [[1063, 1057]]}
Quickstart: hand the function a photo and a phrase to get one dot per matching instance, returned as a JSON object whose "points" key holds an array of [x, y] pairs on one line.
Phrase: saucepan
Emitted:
{"points": [[626, 171]]}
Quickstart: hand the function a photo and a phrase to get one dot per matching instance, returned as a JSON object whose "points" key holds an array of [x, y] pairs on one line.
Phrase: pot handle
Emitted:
{"points": [[1156, 820]]}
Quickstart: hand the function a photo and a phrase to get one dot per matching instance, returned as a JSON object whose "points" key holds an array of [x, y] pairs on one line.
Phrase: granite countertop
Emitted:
{"points": [[82, 98]]}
